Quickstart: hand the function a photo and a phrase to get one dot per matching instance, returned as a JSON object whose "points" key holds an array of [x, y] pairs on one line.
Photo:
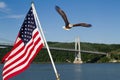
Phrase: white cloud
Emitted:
{"points": [[15, 16], [4, 8], [3, 5], [12, 17]]}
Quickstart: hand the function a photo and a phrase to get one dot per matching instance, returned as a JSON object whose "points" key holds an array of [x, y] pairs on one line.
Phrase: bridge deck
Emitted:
{"points": [[73, 50], [63, 49]]}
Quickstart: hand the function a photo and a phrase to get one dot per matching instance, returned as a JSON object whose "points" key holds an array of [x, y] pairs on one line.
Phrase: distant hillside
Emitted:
{"points": [[63, 56]]}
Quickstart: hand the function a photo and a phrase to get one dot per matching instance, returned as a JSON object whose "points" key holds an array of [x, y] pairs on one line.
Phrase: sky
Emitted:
{"points": [[104, 15]]}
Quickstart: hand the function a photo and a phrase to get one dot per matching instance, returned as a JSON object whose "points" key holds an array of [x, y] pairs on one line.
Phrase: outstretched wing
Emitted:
{"points": [[82, 24], [63, 15]]}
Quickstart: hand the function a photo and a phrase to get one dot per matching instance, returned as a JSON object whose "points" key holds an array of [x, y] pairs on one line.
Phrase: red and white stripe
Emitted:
{"points": [[21, 56]]}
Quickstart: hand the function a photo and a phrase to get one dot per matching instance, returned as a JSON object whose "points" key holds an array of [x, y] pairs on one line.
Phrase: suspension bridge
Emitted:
{"points": [[77, 50]]}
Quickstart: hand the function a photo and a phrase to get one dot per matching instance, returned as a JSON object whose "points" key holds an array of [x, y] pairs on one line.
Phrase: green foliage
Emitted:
{"points": [[65, 56], [4, 51], [103, 60]]}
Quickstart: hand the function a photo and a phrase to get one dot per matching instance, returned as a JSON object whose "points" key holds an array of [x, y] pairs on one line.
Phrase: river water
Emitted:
{"points": [[105, 71]]}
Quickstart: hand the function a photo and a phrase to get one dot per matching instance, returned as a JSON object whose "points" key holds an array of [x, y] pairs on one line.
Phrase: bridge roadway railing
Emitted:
{"points": [[6, 44], [73, 50], [63, 49]]}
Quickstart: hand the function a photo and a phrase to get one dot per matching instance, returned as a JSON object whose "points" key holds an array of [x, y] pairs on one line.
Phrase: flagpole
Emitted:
{"points": [[55, 70]]}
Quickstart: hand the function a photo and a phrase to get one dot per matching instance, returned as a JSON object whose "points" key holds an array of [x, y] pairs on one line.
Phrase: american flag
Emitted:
{"points": [[26, 47]]}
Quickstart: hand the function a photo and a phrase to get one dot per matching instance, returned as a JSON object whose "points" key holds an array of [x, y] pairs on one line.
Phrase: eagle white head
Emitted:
{"points": [[68, 27]]}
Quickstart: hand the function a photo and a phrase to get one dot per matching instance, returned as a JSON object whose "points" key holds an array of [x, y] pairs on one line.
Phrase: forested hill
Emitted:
{"points": [[64, 56]]}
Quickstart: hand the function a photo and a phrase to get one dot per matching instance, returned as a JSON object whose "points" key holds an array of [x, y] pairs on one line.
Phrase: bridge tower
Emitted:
{"points": [[77, 54]]}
